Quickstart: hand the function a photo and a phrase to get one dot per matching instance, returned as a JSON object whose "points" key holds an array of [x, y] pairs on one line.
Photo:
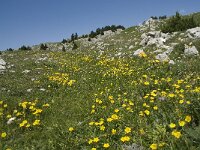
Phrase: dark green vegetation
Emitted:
{"points": [[179, 23]]}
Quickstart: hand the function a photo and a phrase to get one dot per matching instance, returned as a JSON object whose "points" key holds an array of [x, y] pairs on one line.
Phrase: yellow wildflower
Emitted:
{"points": [[176, 133], [181, 123], [154, 146], [127, 130], [106, 145], [172, 125], [3, 134], [188, 118], [71, 129], [125, 139], [36, 122]]}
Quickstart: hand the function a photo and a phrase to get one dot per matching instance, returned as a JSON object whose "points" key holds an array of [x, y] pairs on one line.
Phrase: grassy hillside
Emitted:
{"points": [[90, 99]]}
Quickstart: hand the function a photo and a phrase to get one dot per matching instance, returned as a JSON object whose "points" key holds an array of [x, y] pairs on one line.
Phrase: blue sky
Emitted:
{"points": [[29, 22]]}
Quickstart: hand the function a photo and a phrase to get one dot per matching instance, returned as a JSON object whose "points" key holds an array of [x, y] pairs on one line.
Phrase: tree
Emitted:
{"points": [[25, 48], [43, 46], [72, 37], [63, 49], [75, 36], [64, 41], [75, 46]]}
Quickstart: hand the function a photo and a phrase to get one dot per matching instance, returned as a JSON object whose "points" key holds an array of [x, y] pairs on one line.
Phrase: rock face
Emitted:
{"points": [[194, 32], [2, 65], [191, 51]]}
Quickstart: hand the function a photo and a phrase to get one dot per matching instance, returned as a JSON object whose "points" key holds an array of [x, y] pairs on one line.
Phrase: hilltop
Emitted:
{"points": [[132, 89]]}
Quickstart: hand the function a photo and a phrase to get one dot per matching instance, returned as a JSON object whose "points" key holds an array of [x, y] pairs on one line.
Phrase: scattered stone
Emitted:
{"points": [[191, 51], [29, 90], [26, 71], [138, 52], [171, 62], [132, 147], [11, 120], [42, 89], [131, 47], [162, 57]]}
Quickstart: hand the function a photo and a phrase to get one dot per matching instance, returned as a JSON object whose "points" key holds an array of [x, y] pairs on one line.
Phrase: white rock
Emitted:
{"points": [[138, 52], [171, 62], [130, 47], [26, 71], [162, 57], [194, 32], [191, 51], [2, 62], [11, 120], [2, 65], [29, 90]]}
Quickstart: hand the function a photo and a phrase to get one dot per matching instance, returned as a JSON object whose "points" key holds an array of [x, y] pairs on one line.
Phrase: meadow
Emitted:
{"points": [[91, 101]]}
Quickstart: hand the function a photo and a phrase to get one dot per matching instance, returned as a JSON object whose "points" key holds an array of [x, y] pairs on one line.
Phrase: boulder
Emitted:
{"points": [[2, 65], [191, 51], [194, 32], [162, 57]]}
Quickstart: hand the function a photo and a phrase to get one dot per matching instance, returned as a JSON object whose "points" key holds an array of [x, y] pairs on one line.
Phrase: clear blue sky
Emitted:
{"points": [[29, 22]]}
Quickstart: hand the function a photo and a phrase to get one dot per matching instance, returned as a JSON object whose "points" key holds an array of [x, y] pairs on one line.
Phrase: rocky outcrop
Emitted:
{"points": [[193, 33], [2, 65], [154, 37], [191, 51]]}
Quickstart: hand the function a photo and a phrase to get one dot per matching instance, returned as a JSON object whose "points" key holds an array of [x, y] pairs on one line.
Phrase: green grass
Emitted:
{"points": [[123, 79]]}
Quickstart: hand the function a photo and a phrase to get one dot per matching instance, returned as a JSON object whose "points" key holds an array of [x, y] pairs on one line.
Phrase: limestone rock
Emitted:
{"points": [[194, 32], [2, 65], [138, 52], [162, 57], [191, 51]]}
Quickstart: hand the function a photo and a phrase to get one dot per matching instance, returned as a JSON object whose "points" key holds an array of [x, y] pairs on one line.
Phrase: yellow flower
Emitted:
{"points": [[147, 112], [23, 123], [36, 122], [106, 145], [96, 140], [154, 146], [102, 128], [127, 130], [172, 125], [116, 110], [181, 123], [176, 133], [71, 129], [115, 117], [125, 139], [93, 149], [155, 107], [114, 131], [171, 95], [146, 83], [181, 101], [46, 105], [109, 119], [3, 134], [188, 118], [90, 141]]}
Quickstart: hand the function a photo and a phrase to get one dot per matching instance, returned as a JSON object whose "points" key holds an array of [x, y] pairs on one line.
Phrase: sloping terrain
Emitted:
{"points": [[134, 89]]}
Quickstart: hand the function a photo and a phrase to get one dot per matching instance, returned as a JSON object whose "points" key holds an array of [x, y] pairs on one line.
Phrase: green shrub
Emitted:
{"points": [[178, 23]]}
